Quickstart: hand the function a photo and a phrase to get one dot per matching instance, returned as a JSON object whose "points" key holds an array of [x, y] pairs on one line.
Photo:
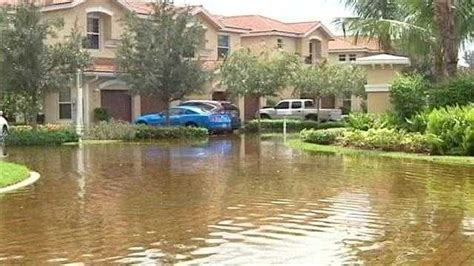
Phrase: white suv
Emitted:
{"points": [[300, 109]]}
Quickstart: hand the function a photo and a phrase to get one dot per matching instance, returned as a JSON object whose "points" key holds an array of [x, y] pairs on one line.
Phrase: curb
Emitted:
{"points": [[34, 176]]}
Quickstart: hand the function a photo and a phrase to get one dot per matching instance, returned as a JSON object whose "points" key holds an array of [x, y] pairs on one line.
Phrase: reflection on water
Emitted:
{"points": [[234, 201]]}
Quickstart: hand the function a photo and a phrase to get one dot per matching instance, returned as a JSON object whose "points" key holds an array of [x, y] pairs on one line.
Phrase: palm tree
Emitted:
{"points": [[433, 29]]}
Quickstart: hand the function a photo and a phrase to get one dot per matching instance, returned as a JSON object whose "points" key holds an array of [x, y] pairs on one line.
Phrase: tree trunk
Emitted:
{"points": [[167, 113], [318, 103], [258, 114], [445, 20]]}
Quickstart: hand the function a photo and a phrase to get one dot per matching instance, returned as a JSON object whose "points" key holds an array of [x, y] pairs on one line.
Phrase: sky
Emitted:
{"points": [[287, 11]]}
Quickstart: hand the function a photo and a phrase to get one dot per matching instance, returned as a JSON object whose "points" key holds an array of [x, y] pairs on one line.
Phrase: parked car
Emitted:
{"points": [[189, 116], [299, 109], [3, 126], [219, 106]]}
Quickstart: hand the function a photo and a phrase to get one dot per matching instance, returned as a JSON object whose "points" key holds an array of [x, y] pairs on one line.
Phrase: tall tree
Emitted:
{"points": [[247, 74], [156, 54], [330, 80], [432, 29], [30, 67]]}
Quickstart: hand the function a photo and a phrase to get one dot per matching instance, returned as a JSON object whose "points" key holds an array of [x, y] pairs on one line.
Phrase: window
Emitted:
{"points": [[352, 57], [93, 31], [296, 105], [309, 104], [342, 58], [65, 104], [283, 105], [280, 43], [175, 111], [223, 46]]}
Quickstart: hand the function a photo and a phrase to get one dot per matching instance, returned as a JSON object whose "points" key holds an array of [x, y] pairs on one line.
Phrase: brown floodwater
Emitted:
{"points": [[234, 200]]}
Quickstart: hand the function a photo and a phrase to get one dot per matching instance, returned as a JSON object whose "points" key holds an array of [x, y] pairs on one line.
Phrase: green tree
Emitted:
{"points": [[30, 67], [246, 74], [433, 29], [330, 80], [408, 95], [156, 54]]}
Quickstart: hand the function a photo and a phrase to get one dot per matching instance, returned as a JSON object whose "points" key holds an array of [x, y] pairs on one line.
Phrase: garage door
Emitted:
{"points": [[118, 104]]}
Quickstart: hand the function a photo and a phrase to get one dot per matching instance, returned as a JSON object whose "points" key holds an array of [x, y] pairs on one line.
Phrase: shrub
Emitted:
{"points": [[114, 130], [292, 125], [323, 136], [386, 140], [455, 91], [361, 121], [418, 122], [408, 95], [101, 114], [454, 127], [41, 136]]}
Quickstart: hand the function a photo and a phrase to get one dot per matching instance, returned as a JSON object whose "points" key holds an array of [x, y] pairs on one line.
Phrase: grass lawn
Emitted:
{"points": [[12, 173], [453, 160]]}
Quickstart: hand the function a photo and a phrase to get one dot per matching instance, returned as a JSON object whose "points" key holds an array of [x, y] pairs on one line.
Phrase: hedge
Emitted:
{"points": [[123, 131], [48, 135], [292, 125]]}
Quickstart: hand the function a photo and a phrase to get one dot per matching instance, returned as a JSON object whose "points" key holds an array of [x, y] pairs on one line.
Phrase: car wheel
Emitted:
{"points": [[265, 116], [142, 123], [312, 117]]}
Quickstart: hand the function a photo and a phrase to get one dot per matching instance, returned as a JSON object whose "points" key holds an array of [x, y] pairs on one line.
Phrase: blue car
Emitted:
{"points": [[189, 116]]}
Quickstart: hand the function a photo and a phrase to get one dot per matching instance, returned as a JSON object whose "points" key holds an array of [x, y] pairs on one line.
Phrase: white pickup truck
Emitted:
{"points": [[300, 109]]}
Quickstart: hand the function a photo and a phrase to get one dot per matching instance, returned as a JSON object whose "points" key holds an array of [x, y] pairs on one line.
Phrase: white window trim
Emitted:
{"points": [[377, 88], [92, 15], [223, 47], [70, 102], [342, 55]]}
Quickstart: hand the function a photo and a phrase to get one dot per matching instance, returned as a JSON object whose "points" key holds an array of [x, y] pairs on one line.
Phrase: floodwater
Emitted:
{"points": [[235, 200]]}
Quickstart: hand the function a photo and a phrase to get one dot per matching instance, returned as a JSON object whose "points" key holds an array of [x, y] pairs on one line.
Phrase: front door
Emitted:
{"points": [[118, 104]]}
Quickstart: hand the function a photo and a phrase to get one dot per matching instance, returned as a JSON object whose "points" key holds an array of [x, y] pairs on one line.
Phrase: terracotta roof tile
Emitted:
{"points": [[257, 23], [353, 43]]}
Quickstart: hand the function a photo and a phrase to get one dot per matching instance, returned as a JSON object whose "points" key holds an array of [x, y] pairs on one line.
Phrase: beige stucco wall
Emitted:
{"points": [[112, 27], [318, 34], [334, 56], [382, 74], [378, 102], [260, 44]]}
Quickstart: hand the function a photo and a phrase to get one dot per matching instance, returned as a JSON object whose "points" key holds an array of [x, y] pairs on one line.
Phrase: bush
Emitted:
{"points": [[323, 136], [292, 125], [115, 130], [387, 140], [101, 114], [454, 127], [361, 121], [408, 95], [41, 136], [454, 91]]}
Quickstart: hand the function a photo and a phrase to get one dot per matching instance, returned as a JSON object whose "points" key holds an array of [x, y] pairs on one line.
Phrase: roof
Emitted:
{"points": [[383, 59], [353, 43], [258, 25]]}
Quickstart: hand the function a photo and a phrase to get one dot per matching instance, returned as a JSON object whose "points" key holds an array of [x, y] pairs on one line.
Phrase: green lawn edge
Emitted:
{"points": [[11, 174], [337, 150]]}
